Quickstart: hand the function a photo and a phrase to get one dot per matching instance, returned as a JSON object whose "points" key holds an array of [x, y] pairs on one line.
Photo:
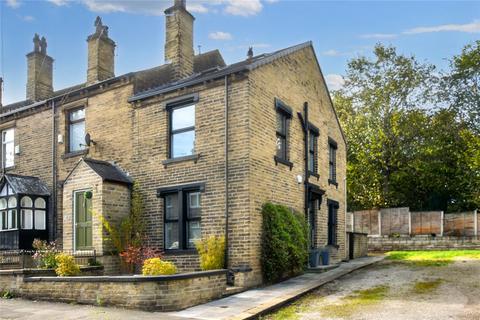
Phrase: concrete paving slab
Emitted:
{"points": [[255, 302]]}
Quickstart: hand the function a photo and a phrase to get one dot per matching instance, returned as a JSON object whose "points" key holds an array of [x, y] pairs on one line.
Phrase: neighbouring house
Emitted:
{"points": [[207, 143]]}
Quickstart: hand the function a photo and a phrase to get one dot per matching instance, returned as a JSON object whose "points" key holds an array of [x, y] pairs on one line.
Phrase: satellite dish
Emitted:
{"points": [[88, 140]]}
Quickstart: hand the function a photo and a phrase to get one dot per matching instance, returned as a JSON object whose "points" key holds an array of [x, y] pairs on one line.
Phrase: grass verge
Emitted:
{"points": [[423, 287], [353, 303], [432, 258]]}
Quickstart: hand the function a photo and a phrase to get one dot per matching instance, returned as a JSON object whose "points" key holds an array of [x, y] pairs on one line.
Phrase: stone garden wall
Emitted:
{"points": [[161, 293], [384, 244]]}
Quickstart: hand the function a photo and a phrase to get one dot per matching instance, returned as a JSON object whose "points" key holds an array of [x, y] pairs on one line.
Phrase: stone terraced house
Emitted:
{"points": [[208, 144]]}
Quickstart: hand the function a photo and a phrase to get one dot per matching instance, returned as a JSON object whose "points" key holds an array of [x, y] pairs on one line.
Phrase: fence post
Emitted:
{"points": [[475, 222], [442, 222], [409, 223], [380, 223], [353, 221]]}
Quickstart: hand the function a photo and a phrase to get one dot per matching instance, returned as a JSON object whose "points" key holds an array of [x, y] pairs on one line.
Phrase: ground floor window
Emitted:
{"points": [[332, 222], [182, 217]]}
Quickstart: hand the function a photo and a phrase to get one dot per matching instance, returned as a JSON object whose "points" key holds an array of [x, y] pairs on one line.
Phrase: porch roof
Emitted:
{"points": [[26, 185]]}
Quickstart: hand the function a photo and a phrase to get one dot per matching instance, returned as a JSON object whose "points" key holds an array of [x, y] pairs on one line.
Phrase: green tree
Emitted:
{"points": [[374, 107], [402, 149], [463, 85]]}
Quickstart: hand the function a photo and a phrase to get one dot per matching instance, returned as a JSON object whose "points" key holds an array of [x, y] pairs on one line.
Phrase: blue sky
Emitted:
{"points": [[340, 30]]}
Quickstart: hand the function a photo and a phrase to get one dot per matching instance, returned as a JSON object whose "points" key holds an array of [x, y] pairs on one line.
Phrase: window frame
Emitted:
{"points": [[183, 193], [175, 104], [3, 150], [332, 226], [285, 113], [332, 162], [69, 128], [313, 133]]}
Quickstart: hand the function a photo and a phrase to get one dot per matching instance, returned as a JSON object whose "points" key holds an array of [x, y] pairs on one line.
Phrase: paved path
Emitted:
{"points": [[252, 303], [244, 305]]}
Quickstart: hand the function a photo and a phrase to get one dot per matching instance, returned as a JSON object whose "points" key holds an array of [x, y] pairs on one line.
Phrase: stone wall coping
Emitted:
{"points": [[135, 278], [44, 271]]}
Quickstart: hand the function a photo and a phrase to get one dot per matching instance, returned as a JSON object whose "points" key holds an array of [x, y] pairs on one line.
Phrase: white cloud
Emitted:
{"points": [[220, 35], [58, 2], [378, 36], [13, 3], [332, 53], [243, 7], [334, 81], [473, 27], [28, 18]]}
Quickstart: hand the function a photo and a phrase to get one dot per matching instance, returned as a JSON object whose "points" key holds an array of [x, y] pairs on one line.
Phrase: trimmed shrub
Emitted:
{"points": [[284, 243], [66, 266], [212, 252], [158, 267]]}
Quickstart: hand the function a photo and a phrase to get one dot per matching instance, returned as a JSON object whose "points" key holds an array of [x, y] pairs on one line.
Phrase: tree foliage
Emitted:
{"points": [[403, 150]]}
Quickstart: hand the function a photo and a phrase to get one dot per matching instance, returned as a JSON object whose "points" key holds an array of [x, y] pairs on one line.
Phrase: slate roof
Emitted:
{"points": [[108, 171], [26, 185], [218, 72], [143, 80]]}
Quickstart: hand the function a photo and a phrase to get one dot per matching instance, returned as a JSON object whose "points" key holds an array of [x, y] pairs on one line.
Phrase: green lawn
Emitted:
{"points": [[433, 258]]}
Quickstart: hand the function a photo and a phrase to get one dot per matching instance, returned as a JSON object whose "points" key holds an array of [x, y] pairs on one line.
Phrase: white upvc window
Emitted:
{"points": [[8, 148]]}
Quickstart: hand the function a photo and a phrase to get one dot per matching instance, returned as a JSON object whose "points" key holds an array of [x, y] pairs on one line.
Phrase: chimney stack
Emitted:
{"points": [[40, 71], [101, 54], [179, 40]]}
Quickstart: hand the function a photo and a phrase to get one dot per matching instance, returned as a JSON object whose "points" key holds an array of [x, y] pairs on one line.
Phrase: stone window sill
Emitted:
{"points": [[75, 154], [283, 161], [331, 182], [180, 252], [193, 158]]}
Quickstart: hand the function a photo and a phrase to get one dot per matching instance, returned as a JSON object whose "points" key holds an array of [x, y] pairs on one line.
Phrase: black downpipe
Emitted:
{"points": [[306, 131], [53, 223], [226, 175]]}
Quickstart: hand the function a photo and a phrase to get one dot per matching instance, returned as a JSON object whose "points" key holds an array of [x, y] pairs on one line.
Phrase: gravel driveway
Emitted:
{"points": [[395, 290]]}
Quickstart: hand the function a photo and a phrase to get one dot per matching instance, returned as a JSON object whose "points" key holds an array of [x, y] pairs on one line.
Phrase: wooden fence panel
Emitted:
{"points": [[426, 222], [395, 220], [459, 224]]}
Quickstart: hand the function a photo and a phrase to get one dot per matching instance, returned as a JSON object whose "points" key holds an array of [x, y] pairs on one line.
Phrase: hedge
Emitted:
{"points": [[284, 243]]}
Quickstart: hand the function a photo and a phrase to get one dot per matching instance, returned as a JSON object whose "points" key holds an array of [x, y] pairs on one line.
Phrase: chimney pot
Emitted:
{"points": [[250, 54]]}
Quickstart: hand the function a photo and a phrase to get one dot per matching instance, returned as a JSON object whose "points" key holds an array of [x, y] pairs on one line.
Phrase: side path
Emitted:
{"points": [[252, 303]]}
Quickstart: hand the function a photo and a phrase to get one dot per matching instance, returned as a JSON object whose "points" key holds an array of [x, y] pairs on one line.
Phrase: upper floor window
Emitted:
{"points": [[76, 130], [284, 114], [332, 177], [8, 148], [313, 151], [182, 131]]}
